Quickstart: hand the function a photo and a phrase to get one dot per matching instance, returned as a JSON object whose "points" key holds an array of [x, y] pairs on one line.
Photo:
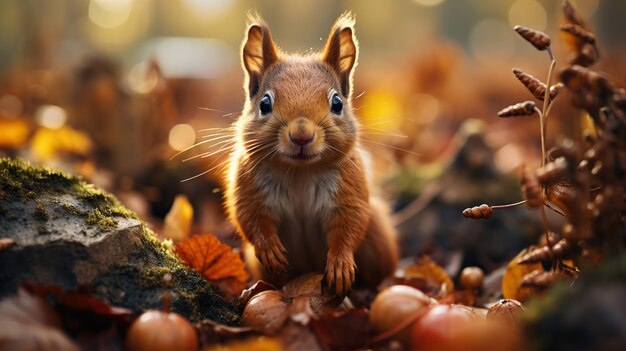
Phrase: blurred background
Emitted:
{"points": [[112, 89]]}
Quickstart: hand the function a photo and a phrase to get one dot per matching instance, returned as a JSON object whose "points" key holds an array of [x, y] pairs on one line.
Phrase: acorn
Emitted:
{"points": [[266, 311], [472, 278], [506, 310], [161, 331]]}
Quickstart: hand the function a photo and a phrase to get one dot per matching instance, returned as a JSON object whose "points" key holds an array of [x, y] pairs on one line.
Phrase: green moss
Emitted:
{"points": [[192, 295], [22, 181], [95, 217], [136, 283]]}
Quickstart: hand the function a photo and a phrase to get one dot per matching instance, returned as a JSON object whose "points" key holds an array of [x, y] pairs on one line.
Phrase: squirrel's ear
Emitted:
{"points": [[341, 51], [258, 53]]}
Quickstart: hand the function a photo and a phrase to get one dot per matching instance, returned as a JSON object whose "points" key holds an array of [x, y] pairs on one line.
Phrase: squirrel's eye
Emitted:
{"points": [[336, 105], [265, 106]]}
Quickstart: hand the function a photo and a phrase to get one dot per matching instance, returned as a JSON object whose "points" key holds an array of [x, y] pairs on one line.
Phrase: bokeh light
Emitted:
{"points": [[51, 116], [529, 13], [212, 8], [429, 3], [109, 13], [181, 137], [143, 78], [491, 38]]}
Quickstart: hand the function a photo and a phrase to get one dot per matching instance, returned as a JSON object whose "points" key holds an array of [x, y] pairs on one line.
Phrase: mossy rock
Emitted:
{"points": [[71, 234]]}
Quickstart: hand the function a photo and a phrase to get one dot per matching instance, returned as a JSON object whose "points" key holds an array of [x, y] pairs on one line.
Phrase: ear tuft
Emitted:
{"points": [[341, 50], [258, 52]]}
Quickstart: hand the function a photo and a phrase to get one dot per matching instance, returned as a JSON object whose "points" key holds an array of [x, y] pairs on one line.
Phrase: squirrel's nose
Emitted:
{"points": [[301, 139]]}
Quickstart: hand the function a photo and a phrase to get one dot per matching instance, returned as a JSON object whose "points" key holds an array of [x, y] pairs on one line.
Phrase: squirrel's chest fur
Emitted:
{"points": [[301, 204]]}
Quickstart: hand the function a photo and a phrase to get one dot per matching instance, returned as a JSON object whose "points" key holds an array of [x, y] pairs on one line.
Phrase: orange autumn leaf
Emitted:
{"points": [[215, 261], [512, 280]]}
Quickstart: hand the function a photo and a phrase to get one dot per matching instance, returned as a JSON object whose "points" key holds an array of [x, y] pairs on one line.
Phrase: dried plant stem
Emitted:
{"points": [[509, 205], [554, 208], [543, 117]]}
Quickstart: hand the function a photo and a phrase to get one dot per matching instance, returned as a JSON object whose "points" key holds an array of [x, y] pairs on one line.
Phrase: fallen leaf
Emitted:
{"points": [[256, 344], [28, 323], [13, 133], [513, 277], [211, 332], [177, 224], [48, 144], [343, 330], [426, 276], [258, 287], [215, 261], [81, 307], [311, 286]]}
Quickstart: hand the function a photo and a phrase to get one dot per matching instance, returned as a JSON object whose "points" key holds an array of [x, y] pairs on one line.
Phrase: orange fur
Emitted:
{"points": [[297, 187]]}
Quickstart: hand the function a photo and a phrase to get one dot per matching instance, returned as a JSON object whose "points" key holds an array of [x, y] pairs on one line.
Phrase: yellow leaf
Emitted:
{"points": [[13, 133], [178, 220], [512, 280]]}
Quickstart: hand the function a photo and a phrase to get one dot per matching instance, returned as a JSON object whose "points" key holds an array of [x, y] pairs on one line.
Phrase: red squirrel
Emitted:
{"points": [[297, 187]]}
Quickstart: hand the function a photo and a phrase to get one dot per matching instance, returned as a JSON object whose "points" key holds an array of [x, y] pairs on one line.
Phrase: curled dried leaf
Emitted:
{"points": [[526, 108], [552, 171], [579, 32], [534, 85], [540, 40], [436, 281], [531, 188]]}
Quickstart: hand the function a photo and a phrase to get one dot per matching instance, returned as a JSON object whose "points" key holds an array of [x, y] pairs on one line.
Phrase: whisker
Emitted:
{"points": [[391, 146], [209, 109]]}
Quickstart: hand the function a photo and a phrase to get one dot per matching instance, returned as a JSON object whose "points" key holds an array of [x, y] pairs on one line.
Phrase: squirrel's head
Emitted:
{"points": [[298, 107]]}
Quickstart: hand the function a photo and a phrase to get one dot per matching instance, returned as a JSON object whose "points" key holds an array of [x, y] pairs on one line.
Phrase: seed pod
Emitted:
{"points": [[540, 40], [507, 311], [478, 212], [546, 253], [579, 32], [619, 99], [571, 15], [552, 171], [531, 188], [472, 278], [534, 85], [538, 279], [586, 56], [526, 108], [555, 90]]}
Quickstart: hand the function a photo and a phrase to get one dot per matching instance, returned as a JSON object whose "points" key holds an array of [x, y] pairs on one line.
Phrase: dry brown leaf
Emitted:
{"points": [[28, 323], [177, 224], [254, 343], [437, 282], [343, 330], [513, 277], [215, 261]]}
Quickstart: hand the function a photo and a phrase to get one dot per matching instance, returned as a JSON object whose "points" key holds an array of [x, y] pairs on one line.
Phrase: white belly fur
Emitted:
{"points": [[301, 204]]}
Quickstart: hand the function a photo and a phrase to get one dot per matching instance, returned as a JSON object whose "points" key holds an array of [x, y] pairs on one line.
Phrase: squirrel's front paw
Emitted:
{"points": [[272, 254], [340, 273]]}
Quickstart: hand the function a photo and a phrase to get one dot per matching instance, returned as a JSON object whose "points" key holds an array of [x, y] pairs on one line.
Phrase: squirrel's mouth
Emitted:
{"points": [[303, 156]]}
